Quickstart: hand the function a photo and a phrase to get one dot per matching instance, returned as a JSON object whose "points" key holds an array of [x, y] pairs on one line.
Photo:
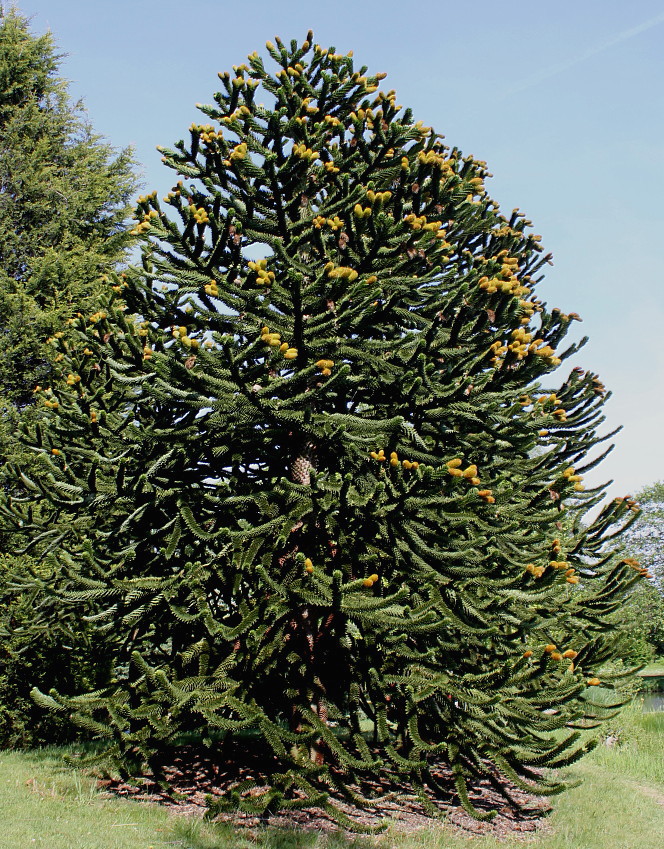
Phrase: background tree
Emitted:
{"points": [[641, 618], [312, 461], [647, 534], [63, 199]]}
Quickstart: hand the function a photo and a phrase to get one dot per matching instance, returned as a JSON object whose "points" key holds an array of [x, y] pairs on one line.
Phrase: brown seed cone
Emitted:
{"points": [[303, 464]]}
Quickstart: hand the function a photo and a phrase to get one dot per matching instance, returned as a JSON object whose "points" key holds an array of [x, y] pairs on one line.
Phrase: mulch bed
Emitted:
{"points": [[193, 775]]}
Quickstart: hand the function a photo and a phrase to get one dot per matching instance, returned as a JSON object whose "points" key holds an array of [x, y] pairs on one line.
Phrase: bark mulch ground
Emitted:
{"points": [[193, 776]]}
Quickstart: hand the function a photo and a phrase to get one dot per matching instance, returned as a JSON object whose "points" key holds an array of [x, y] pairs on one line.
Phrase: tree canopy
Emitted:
{"points": [[317, 463], [63, 199], [641, 619]]}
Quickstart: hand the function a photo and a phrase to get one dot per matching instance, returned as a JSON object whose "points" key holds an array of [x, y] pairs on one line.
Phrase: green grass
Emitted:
{"points": [[41, 804], [653, 670], [620, 805]]}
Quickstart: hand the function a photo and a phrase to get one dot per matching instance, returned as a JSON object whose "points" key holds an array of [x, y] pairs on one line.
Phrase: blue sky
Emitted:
{"points": [[563, 100]]}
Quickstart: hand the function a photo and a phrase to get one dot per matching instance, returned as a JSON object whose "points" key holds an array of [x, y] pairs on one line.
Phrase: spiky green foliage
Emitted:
{"points": [[63, 198], [41, 647], [313, 462]]}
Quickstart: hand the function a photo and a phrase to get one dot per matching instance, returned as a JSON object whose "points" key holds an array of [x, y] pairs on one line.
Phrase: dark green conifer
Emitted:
{"points": [[316, 465], [63, 198]]}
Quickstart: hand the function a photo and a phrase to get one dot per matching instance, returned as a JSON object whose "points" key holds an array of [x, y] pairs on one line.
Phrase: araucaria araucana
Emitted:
{"points": [[312, 460]]}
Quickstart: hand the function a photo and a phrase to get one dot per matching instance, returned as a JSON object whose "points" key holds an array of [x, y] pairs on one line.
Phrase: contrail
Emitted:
{"points": [[552, 71]]}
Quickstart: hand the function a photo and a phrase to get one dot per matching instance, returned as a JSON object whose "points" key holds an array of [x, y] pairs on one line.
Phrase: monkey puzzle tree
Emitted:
{"points": [[310, 462]]}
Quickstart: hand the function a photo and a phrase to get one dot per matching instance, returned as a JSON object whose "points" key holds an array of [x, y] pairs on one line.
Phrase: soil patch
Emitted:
{"points": [[194, 776]]}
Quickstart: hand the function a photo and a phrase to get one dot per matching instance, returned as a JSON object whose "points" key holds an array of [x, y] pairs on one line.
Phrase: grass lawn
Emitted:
{"points": [[653, 670], [620, 805]]}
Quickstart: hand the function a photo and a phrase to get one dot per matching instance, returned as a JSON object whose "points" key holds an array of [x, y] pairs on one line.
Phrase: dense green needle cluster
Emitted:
{"points": [[310, 460], [64, 197]]}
